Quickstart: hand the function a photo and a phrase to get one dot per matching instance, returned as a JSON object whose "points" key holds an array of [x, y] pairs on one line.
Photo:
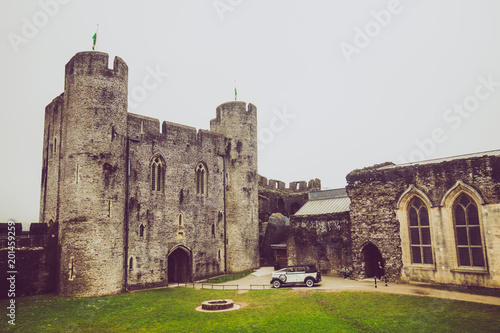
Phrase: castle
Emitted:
{"points": [[435, 221], [137, 207], [126, 205]]}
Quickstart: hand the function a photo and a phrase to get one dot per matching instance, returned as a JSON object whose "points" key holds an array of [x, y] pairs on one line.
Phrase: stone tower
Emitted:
{"points": [[89, 122], [238, 123]]}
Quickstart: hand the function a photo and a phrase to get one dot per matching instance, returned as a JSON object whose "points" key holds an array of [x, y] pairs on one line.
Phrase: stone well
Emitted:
{"points": [[217, 305]]}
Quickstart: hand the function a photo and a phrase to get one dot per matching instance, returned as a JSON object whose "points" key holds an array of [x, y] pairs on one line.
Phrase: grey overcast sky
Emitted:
{"points": [[338, 85]]}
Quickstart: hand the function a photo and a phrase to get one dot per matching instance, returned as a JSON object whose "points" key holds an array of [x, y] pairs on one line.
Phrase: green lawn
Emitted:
{"points": [[281, 310]]}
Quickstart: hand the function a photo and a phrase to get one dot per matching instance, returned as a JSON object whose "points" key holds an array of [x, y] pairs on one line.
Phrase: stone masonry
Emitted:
{"points": [[134, 203], [138, 206], [323, 240], [380, 198]]}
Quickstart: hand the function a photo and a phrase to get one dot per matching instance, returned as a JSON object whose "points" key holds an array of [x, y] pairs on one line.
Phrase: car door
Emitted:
{"points": [[290, 274], [295, 274], [300, 274]]}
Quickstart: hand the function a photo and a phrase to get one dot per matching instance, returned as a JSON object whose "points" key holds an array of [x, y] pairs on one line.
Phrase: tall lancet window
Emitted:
{"points": [[420, 232], [201, 180], [157, 174], [470, 250]]}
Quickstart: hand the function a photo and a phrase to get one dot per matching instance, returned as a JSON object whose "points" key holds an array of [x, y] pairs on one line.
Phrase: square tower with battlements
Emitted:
{"points": [[141, 204]]}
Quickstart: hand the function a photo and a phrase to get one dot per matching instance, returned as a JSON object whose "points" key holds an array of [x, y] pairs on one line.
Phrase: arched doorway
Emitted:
{"points": [[281, 206], [371, 256], [294, 208], [179, 265]]}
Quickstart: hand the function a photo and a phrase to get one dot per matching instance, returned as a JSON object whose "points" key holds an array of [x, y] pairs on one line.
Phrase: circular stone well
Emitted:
{"points": [[217, 305]]}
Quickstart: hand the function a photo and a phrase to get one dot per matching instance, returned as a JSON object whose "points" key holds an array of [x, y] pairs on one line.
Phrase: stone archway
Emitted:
{"points": [[371, 257], [294, 208], [179, 265]]}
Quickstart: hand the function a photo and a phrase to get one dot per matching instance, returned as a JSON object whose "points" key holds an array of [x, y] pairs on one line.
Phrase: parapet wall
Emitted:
{"points": [[226, 110], [93, 63], [35, 259], [296, 186], [275, 197], [146, 127]]}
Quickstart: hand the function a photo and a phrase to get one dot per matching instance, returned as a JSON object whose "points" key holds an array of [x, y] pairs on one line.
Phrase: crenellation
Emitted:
{"points": [[210, 136], [132, 202], [92, 63], [140, 126], [36, 258], [262, 181], [276, 184], [179, 133], [275, 197], [295, 186], [138, 207]]}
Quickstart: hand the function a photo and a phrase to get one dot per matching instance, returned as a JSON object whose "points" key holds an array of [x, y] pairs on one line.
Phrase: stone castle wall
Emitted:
{"points": [[275, 197], [116, 231], [34, 259], [379, 197], [201, 233], [323, 240]]}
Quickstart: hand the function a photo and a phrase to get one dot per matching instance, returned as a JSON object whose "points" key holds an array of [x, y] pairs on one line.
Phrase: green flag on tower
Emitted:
{"points": [[94, 38]]}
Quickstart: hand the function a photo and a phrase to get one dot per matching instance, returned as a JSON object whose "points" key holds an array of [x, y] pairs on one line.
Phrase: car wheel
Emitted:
{"points": [[276, 284], [309, 282], [283, 278]]}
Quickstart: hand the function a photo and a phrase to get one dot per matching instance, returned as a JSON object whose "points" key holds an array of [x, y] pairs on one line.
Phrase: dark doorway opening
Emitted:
{"points": [[281, 206], [371, 256], [294, 208], [179, 266]]}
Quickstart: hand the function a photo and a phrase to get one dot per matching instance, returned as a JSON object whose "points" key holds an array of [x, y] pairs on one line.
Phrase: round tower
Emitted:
{"points": [[237, 121], [93, 176]]}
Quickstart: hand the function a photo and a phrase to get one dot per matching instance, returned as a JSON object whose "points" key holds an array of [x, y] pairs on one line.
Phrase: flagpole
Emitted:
{"points": [[94, 39], [235, 92], [97, 40]]}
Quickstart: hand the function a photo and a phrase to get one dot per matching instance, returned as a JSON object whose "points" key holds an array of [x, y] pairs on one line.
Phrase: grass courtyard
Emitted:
{"points": [[281, 310]]}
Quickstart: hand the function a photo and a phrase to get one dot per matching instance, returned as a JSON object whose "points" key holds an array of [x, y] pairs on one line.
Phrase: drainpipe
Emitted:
{"points": [[127, 207], [225, 223]]}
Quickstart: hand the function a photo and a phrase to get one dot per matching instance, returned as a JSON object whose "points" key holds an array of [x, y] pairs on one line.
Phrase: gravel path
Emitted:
{"points": [[334, 284]]}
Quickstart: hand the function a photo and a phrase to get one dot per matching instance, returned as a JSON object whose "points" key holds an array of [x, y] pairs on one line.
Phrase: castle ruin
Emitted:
{"points": [[137, 207]]}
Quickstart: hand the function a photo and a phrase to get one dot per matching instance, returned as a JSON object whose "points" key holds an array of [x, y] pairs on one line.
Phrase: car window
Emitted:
{"points": [[310, 269]]}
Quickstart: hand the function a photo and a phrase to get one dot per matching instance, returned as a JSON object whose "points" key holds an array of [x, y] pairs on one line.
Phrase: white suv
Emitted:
{"points": [[307, 274]]}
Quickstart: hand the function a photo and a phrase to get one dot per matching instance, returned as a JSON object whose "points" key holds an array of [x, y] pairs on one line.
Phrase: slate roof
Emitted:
{"points": [[326, 202]]}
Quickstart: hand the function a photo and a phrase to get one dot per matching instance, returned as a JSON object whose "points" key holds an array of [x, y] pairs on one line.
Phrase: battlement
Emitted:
{"points": [[143, 126], [37, 236], [178, 130], [95, 63], [56, 103], [233, 107], [296, 186]]}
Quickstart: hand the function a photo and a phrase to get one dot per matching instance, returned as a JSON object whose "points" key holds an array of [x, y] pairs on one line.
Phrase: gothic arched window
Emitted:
{"points": [[470, 250], [201, 180], [420, 232], [157, 174]]}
